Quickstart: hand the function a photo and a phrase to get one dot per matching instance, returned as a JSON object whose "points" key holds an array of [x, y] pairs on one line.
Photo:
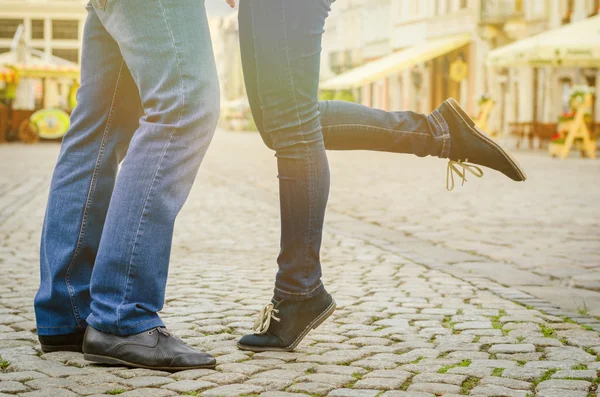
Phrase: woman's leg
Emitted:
{"points": [[281, 46], [283, 38], [447, 132]]}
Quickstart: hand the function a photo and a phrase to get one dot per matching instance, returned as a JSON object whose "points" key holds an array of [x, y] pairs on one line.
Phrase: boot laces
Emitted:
{"points": [[163, 331], [453, 167], [263, 321], [160, 330]]}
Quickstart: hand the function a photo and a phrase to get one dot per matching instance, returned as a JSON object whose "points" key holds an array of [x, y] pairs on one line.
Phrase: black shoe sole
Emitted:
{"points": [[115, 361], [313, 325], [62, 348], [483, 136]]}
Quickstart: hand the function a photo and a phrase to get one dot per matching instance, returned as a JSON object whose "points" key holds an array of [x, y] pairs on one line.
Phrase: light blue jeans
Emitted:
{"points": [[149, 98]]}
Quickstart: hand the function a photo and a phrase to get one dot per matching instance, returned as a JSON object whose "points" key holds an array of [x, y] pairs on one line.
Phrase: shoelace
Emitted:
{"points": [[163, 330], [263, 321], [453, 168], [160, 330]]}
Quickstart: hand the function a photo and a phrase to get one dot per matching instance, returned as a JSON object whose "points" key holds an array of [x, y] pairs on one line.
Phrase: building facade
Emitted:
{"points": [[391, 26], [52, 26]]}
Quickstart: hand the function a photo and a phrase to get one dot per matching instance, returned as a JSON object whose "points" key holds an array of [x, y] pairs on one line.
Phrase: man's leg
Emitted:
{"points": [[101, 127], [167, 47]]}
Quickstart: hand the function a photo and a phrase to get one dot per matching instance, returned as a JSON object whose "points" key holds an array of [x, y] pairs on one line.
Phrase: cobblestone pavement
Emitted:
{"points": [[477, 292]]}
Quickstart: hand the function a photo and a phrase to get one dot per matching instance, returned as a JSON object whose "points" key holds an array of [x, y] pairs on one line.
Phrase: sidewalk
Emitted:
{"points": [[437, 292]]}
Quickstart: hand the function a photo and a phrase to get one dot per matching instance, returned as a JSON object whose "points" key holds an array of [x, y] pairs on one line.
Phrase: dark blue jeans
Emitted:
{"points": [[281, 49]]}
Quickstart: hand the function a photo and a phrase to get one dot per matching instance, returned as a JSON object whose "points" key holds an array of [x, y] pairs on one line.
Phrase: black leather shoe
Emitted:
{"points": [[153, 349], [283, 324], [469, 144], [62, 343]]}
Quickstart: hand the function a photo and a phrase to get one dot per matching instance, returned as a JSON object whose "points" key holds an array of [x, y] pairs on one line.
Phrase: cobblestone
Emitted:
{"points": [[420, 313]]}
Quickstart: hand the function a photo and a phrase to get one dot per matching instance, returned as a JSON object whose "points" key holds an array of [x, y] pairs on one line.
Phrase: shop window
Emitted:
{"points": [[68, 54], [63, 29], [37, 29], [8, 27]]}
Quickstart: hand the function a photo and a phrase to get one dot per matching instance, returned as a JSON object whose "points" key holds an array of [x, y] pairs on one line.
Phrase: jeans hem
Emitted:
{"points": [[441, 132], [125, 331], [298, 296], [55, 331]]}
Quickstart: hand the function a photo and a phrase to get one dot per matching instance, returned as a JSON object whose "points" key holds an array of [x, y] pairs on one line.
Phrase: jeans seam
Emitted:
{"points": [[445, 132], [91, 191], [366, 126], [146, 199], [300, 293], [311, 188]]}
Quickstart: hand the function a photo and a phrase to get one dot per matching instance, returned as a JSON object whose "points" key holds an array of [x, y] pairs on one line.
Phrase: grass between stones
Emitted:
{"points": [[547, 331], [587, 328], [310, 371], [3, 363], [497, 371], [593, 353], [579, 367], [418, 359], [468, 385], [406, 384], [595, 387], [121, 391], [496, 324], [547, 375], [463, 363]]}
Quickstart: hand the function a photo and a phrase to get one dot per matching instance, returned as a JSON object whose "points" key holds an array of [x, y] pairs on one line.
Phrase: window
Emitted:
{"points": [[63, 29], [68, 54], [464, 4], [37, 29], [4, 49], [8, 27]]}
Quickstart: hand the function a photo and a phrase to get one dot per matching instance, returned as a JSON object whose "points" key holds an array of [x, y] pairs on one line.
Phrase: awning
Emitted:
{"points": [[576, 44], [47, 70], [395, 62]]}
